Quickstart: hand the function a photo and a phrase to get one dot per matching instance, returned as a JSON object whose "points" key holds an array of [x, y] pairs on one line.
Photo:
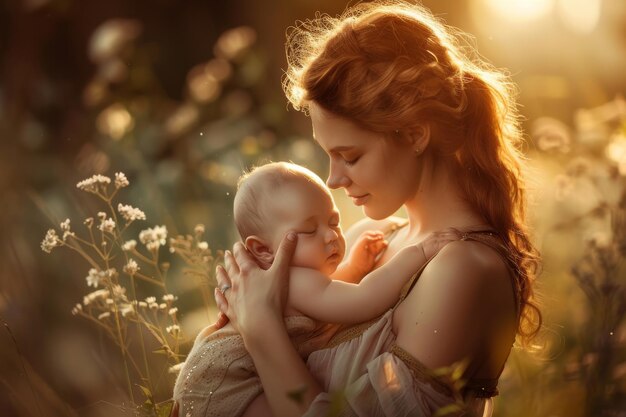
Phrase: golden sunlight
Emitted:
{"points": [[390, 376], [579, 15], [115, 121], [520, 10]]}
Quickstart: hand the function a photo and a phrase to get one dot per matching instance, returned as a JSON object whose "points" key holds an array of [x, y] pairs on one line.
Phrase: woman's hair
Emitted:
{"points": [[391, 66]]}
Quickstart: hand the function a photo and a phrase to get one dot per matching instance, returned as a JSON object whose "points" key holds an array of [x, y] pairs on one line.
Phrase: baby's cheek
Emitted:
{"points": [[303, 257]]}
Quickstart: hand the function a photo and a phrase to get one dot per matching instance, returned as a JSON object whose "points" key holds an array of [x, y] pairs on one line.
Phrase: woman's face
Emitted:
{"points": [[378, 173]]}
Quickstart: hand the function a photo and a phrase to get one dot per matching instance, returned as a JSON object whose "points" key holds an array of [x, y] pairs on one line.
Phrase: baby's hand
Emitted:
{"points": [[366, 250]]}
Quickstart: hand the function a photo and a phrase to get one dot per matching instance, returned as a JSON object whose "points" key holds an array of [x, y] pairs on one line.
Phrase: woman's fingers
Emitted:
{"points": [[231, 265], [285, 252], [220, 298], [222, 320], [222, 277], [243, 259]]}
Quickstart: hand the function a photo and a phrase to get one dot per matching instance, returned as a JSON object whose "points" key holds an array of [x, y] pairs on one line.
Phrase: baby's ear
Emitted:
{"points": [[260, 250]]}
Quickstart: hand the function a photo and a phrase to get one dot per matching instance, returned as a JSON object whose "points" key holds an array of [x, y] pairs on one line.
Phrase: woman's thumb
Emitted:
{"points": [[285, 251]]}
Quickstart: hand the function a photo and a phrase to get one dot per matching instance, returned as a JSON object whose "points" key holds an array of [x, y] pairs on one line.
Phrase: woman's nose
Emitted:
{"points": [[336, 177]]}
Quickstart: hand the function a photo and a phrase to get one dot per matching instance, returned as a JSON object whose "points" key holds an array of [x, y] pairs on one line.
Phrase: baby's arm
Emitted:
{"points": [[321, 298], [333, 301], [362, 257]]}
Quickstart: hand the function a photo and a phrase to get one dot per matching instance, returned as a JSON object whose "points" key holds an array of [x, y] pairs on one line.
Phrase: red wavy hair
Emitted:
{"points": [[391, 65]]}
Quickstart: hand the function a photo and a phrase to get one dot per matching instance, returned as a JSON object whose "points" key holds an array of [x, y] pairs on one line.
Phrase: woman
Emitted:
{"points": [[407, 118]]}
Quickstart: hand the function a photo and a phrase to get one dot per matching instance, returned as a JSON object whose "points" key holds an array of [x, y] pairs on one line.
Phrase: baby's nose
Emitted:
{"points": [[331, 235]]}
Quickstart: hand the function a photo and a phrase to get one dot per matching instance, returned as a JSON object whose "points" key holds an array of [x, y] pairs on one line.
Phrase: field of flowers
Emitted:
{"points": [[125, 127]]}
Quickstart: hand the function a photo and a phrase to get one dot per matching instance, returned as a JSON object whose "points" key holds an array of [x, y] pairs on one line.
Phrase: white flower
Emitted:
{"points": [[119, 292], [88, 222], [173, 311], [203, 245], [199, 229], [107, 226], [169, 297], [102, 215], [129, 245], [153, 238], [174, 329], [94, 276], [127, 309], [65, 226], [51, 241], [120, 180], [143, 304], [104, 315], [150, 300], [131, 267], [162, 306], [77, 309], [92, 185], [153, 306], [130, 213], [95, 295]]}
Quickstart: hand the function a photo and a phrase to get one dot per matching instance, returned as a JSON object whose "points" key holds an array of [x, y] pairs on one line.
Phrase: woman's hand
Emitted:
{"points": [[248, 295]]}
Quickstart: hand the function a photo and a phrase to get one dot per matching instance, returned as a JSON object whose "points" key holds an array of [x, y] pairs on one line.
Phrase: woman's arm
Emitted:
{"points": [[254, 304]]}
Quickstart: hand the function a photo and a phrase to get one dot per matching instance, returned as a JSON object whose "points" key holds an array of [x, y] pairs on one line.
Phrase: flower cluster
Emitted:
{"points": [[131, 267], [95, 277], [154, 237], [94, 184], [51, 241], [130, 214], [120, 180], [110, 305]]}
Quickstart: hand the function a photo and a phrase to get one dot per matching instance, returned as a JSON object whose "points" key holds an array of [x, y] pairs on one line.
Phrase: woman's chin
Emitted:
{"points": [[376, 213]]}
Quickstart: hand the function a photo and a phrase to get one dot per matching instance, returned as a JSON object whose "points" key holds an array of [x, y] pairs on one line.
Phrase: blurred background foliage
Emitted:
{"points": [[182, 96]]}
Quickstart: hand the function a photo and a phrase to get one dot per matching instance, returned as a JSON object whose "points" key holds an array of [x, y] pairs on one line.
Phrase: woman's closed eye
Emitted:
{"points": [[308, 232], [350, 162]]}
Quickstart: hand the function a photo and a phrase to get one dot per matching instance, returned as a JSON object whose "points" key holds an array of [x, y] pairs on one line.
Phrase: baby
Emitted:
{"points": [[218, 377]]}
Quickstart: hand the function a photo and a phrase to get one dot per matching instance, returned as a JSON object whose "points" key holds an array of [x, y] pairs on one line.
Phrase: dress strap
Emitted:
{"points": [[486, 236], [494, 241]]}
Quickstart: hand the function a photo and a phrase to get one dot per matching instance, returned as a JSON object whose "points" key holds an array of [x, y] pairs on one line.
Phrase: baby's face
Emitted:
{"points": [[311, 212]]}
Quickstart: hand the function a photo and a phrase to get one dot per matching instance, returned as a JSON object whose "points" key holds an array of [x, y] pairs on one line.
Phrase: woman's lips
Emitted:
{"points": [[360, 200]]}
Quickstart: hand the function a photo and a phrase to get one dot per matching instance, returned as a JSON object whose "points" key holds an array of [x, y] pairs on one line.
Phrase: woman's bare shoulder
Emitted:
{"points": [[468, 264], [366, 224], [457, 293]]}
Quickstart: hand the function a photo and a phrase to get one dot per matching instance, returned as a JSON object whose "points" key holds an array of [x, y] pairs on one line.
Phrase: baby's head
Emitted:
{"points": [[277, 197]]}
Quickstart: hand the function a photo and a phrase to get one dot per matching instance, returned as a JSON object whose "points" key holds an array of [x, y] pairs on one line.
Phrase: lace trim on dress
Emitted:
{"points": [[421, 371], [477, 387], [350, 333]]}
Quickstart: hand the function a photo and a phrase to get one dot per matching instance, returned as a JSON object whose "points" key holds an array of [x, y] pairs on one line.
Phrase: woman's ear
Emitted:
{"points": [[420, 138], [260, 250]]}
